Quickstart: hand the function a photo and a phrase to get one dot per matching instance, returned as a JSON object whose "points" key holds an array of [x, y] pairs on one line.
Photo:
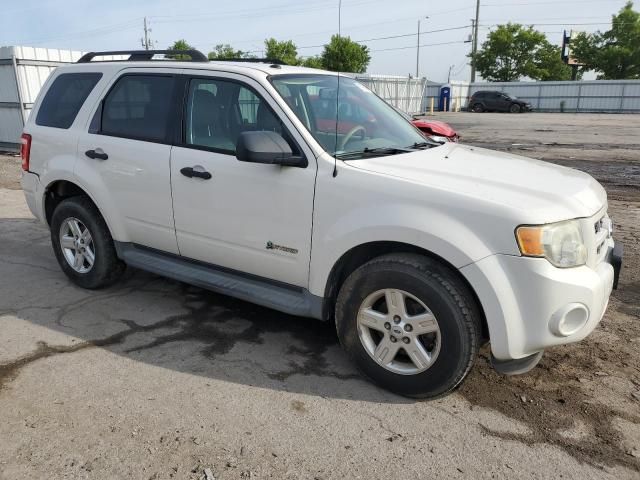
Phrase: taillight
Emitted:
{"points": [[25, 150]]}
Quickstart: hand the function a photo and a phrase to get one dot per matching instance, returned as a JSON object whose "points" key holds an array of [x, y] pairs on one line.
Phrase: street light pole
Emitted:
{"points": [[418, 53], [418, 49]]}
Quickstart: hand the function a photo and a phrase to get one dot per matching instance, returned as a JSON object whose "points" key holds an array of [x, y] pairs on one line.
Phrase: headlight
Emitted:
{"points": [[560, 243]]}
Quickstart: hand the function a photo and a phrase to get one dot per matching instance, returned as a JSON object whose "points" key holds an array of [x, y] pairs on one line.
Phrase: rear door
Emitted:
{"points": [[125, 153], [252, 218]]}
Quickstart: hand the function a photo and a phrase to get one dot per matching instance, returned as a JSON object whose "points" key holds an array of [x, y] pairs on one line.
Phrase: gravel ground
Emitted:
{"points": [[154, 379]]}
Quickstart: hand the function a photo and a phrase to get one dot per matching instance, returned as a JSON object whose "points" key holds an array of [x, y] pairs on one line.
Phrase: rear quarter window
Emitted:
{"points": [[65, 97]]}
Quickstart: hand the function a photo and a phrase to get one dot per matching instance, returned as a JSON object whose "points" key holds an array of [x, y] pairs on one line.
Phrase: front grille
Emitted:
{"points": [[602, 230]]}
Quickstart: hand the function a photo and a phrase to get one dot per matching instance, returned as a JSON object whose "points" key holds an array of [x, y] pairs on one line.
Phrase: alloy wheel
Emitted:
{"points": [[398, 331]]}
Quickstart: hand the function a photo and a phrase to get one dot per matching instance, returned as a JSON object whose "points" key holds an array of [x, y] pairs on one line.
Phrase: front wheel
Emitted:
{"points": [[515, 108], [410, 324]]}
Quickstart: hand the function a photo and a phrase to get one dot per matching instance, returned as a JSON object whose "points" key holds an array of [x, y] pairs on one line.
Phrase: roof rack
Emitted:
{"points": [[141, 55], [272, 61]]}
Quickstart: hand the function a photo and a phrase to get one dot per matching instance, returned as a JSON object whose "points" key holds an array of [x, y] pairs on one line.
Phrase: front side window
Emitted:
{"points": [[218, 111], [64, 99], [138, 107], [345, 117]]}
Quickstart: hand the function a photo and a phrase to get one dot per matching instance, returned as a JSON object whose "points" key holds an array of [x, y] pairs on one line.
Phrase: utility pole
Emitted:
{"points": [[474, 45], [146, 41], [418, 49]]}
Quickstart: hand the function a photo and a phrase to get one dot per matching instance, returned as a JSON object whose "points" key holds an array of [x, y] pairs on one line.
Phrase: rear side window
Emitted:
{"points": [[138, 107], [64, 99]]}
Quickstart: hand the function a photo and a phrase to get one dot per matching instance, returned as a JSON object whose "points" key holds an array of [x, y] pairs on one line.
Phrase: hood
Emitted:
{"points": [[438, 128], [536, 191]]}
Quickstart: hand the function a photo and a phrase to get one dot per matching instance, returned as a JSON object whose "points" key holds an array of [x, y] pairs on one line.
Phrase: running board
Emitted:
{"points": [[268, 293]]}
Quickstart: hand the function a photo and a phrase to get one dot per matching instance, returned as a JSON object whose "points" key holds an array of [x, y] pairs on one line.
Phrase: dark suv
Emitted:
{"points": [[489, 101]]}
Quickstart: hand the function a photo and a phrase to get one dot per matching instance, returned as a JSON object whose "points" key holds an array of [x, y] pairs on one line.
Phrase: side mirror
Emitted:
{"points": [[267, 147]]}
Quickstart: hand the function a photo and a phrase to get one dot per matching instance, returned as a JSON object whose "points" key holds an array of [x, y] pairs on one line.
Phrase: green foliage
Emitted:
{"points": [[513, 51], [180, 45], [548, 65], [312, 62], [614, 54], [285, 51], [344, 55], [226, 52]]}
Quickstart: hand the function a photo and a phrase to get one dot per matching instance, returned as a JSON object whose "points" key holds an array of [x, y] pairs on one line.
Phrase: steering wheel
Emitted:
{"points": [[350, 134]]}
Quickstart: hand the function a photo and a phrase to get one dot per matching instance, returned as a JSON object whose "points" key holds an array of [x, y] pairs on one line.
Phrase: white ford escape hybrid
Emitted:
{"points": [[301, 190]]}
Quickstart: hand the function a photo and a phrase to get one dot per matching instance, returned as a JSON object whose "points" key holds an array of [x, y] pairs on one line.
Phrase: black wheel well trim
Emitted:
{"points": [[59, 190], [361, 254]]}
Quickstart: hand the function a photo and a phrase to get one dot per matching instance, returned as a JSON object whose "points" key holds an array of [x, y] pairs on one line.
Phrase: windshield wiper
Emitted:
{"points": [[379, 151], [422, 145]]}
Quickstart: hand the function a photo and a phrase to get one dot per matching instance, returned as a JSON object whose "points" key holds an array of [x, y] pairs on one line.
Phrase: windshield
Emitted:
{"points": [[364, 123]]}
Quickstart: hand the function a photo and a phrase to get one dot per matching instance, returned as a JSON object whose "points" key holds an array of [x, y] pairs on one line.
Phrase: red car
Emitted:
{"points": [[434, 129], [438, 131]]}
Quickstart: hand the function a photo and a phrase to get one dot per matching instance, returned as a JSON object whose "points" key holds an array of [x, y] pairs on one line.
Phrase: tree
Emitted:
{"points": [[548, 65], [285, 51], [614, 54], [513, 51], [226, 52], [311, 62], [180, 45], [344, 55]]}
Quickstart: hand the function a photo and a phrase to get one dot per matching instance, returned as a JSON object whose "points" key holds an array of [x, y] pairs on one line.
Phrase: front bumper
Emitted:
{"points": [[531, 305]]}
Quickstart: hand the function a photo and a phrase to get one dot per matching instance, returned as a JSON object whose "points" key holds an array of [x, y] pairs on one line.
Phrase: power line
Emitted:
{"points": [[421, 46]]}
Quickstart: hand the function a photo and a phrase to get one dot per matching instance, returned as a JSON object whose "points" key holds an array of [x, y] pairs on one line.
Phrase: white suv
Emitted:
{"points": [[301, 190]]}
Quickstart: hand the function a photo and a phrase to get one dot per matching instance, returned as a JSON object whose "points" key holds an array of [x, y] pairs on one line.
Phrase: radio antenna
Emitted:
{"points": [[335, 148]]}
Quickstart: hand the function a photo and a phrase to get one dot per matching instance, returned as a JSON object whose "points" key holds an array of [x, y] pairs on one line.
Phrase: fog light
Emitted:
{"points": [[569, 319]]}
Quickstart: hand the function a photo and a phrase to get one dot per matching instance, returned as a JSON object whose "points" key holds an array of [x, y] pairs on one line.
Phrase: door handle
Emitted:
{"points": [[197, 172], [96, 154]]}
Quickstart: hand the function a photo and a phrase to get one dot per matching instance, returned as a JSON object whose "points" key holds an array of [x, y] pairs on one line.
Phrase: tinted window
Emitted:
{"points": [[219, 111], [138, 106], [65, 98]]}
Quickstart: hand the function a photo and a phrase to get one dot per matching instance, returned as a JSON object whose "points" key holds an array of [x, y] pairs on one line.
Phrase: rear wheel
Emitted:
{"points": [[477, 108], [515, 108], [83, 245], [410, 324]]}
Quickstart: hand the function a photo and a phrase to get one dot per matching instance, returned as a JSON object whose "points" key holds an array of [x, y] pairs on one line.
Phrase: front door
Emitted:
{"points": [[252, 218]]}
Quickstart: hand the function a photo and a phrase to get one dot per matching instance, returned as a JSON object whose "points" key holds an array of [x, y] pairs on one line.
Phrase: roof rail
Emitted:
{"points": [[141, 55], [272, 61]]}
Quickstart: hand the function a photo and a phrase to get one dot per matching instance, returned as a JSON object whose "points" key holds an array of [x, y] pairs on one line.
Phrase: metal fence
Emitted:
{"points": [[609, 96], [405, 93], [418, 95]]}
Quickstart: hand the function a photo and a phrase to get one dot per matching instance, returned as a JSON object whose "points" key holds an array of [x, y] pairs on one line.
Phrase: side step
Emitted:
{"points": [[268, 293]]}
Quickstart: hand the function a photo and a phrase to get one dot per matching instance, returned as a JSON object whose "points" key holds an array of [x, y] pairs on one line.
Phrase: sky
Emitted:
{"points": [[118, 24]]}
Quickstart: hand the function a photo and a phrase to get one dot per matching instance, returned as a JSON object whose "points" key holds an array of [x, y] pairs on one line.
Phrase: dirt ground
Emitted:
{"points": [[154, 379]]}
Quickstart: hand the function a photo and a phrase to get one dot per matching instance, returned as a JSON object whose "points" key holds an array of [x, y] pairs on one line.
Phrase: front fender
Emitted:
{"points": [[402, 223]]}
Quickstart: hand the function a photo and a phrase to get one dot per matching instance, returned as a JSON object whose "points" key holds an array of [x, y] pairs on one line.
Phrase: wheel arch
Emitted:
{"points": [[361, 254], [61, 189]]}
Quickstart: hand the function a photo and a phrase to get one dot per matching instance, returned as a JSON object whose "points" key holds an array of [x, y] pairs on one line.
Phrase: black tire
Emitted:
{"points": [[515, 108], [446, 295], [477, 108], [107, 267]]}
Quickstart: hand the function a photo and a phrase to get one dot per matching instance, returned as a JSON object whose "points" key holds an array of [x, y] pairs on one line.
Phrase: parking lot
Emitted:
{"points": [[154, 379]]}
